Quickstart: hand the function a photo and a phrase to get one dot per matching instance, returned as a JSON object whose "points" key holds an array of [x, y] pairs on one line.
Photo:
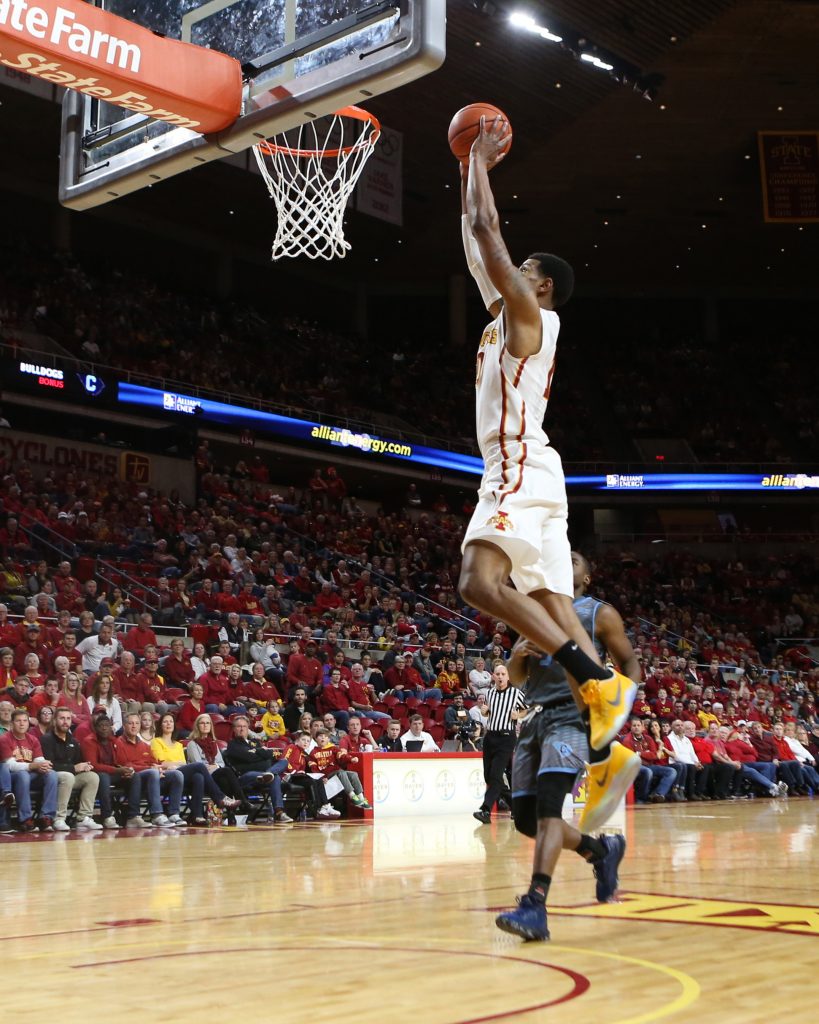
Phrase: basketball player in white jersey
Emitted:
{"points": [[519, 527]]}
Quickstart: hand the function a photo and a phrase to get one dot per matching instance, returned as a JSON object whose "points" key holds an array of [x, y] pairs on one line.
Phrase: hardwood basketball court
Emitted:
{"points": [[394, 921]]}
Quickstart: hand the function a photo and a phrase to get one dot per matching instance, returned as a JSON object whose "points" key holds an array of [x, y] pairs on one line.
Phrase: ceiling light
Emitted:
{"points": [[591, 59], [528, 23]]}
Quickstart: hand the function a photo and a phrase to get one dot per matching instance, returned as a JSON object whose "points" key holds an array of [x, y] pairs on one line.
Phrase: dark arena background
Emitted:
{"points": [[205, 454]]}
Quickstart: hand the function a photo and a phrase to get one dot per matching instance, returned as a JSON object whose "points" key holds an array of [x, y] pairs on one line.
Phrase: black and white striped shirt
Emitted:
{"points": [[501, 705]]}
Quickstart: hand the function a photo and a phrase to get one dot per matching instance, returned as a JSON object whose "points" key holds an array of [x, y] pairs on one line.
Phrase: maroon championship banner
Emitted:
{"points": [[789, 165]]}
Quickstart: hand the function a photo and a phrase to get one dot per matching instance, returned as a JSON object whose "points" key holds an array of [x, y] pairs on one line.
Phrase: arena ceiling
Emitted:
{"points": [[643, 196]]}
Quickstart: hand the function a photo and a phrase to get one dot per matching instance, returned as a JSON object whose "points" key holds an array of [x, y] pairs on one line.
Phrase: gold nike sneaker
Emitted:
{"points": [[607, 784], [609, 702]]}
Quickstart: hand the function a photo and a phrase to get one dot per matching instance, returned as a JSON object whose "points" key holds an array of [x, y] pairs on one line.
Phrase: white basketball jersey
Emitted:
{"points": [[511, 394]]}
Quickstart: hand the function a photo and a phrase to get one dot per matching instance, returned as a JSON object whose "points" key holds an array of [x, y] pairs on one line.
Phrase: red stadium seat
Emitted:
{"points": [[437, 732], [389, 700], [412, 704], [223, 730], [376, 728], [432, 703]]}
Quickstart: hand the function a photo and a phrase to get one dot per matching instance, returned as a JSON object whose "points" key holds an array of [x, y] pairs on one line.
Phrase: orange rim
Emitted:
{"points": [[271, 148]]}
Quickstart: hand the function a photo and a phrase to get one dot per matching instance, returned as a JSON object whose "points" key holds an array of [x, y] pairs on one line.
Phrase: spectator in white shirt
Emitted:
{"points": [[796, 738], [416, 733], [480, 681], [684, 753], [94, 648]]}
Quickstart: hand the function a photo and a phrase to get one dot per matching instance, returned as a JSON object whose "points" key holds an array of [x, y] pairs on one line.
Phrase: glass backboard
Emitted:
{"points": [[301, 59]]}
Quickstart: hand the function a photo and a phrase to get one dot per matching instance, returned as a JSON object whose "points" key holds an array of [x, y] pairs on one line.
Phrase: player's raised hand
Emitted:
{"points": [[489, 146]]}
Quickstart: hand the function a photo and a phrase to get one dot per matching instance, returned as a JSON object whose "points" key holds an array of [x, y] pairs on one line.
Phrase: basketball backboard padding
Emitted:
{"points": [[303, 69]]}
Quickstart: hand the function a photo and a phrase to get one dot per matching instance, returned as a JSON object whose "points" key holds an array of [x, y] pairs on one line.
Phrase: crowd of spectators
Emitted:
{"points": [[307, 612], [648, 363]]}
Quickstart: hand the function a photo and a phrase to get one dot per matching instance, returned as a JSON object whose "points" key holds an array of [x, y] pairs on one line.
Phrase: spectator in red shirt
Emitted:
{"points": [[357, 741], [67, 648], [405, 681], [127, 682], [768, 751], [361, 695], [227, 601], [9, 636], [219, 698], [177, 668], [305, 670], [69, 599], [327, 601], [54, 634], [140, 636], [225, 653], [663, 707], [49, 696], [335, 697], [789, 759], [641, 707], [258, 688], [98, 748], [143, 777], [8, 673], [23, 755], [31, 645], [206, 599], [757, 773], [655, 780], [250, 606]]}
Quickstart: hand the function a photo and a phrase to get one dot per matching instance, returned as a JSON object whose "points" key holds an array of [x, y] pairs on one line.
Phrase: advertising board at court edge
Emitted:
{"points": [[82, 47]]}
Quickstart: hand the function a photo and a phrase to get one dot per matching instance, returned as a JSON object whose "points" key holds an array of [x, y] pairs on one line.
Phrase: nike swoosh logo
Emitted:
{"points": [[616, 700], [604, 780]]}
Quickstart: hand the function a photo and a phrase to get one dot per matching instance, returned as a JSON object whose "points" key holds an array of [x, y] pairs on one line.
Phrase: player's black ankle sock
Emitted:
{"points": [[595, 756], [578, 664], [591, 849], [539, 888]]}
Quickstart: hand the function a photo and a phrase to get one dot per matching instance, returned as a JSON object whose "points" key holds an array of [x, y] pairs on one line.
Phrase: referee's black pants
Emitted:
{"points": [[497, 754]]}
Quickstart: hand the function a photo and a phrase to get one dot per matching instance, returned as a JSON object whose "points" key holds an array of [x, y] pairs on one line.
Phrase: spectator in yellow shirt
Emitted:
{"points": [[706, 716], [272, 721]]}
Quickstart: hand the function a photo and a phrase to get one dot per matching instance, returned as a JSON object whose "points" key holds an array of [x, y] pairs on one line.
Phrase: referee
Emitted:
{"points": [[504, 705]]}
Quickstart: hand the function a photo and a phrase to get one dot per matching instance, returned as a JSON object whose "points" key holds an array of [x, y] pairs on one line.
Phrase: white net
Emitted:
{"points": [[311, 172]]}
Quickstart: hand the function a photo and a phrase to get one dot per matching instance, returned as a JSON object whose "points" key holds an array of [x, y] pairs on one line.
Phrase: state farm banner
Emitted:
{"points": [[380, 187], [789, 164], [74, 44]]}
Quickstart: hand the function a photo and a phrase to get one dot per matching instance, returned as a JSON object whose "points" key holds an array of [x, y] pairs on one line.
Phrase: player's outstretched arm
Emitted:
{"points": [[489, 293], [611, 631], [520, 302]]}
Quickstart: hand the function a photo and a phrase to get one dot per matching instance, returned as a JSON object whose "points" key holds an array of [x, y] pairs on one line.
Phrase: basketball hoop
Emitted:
{"points": [[313, 171]]}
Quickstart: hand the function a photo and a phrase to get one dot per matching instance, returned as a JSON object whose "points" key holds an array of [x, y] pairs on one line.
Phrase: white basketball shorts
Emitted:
{"points": [[522, 509]]}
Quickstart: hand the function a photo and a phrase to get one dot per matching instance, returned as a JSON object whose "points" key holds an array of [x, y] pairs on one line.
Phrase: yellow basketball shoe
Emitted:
{"points": [[607, 784], [609, 702]]}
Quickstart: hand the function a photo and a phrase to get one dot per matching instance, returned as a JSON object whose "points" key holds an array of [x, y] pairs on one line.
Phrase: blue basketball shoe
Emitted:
{"points": [[528, 921], [605, 871]]}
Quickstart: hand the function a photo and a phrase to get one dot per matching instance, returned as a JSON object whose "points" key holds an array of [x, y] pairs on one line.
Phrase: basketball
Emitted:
{"points": [[466, 124]]}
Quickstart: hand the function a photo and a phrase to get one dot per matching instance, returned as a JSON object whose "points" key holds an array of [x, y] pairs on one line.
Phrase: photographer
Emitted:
{"points": [[460, 727]]}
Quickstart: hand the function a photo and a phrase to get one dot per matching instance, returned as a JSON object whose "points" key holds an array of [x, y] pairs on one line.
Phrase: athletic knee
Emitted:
{"points": [[524, 815], [478, 590], [552, 789]]}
